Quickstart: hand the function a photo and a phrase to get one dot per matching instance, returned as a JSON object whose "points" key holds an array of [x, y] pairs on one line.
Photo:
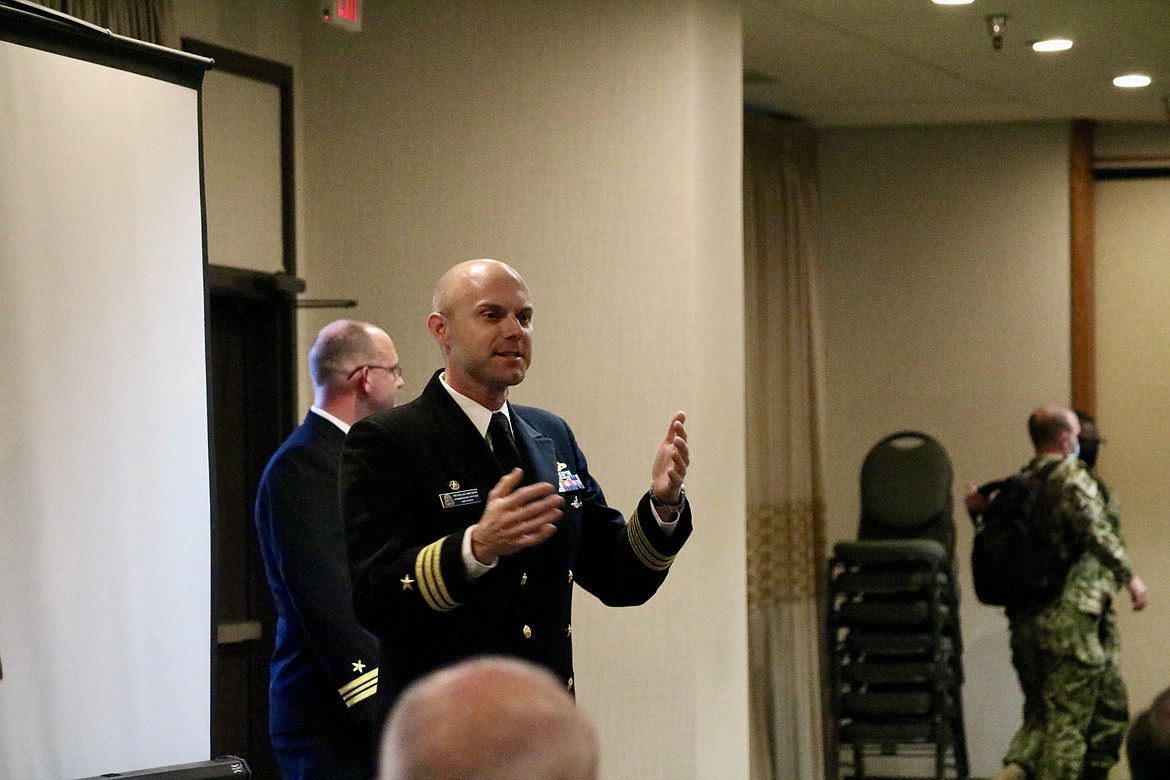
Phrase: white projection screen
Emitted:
{"points": [[105, 536]]}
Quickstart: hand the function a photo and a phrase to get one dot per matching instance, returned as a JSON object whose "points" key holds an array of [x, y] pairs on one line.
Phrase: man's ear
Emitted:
{"points": [[437, 325], [360, 380]]}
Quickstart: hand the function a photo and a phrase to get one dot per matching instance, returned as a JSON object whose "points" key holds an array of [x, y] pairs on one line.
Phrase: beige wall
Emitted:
{"points": [[270, 29], [1133, 408], [598, 150], [596, 147], [1132, 255], [240, 230], [1130, 144], [947, 311]]}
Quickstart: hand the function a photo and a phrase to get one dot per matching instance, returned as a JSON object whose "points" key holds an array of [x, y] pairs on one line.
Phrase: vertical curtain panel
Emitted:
{"points": [[784, 473], [145, 20]]}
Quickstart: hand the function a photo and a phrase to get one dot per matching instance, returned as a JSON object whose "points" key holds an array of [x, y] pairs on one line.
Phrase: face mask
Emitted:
{"points": [[1088, 450], [1077, 449]]}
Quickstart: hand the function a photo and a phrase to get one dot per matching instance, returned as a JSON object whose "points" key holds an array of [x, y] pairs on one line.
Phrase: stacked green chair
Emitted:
{"points": [[894, 636]]}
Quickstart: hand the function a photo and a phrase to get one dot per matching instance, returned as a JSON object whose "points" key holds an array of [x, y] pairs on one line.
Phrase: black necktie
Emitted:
{"points": [[503, 445]]}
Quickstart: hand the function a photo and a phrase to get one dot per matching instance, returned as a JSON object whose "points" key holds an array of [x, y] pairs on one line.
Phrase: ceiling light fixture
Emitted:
{"points": [[995, 25], [1132, 81], [1052, 44]]}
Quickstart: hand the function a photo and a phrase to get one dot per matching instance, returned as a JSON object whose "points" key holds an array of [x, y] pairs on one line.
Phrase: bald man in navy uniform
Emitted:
{"points": [[470, 519]]}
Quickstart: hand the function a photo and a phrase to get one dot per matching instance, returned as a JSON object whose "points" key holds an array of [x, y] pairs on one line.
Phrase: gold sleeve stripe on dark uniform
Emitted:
{"points": [[429, 573], [359, 688], [643, 550]]}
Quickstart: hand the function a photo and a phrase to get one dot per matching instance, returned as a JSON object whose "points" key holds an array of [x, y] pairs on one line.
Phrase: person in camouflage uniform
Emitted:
{"points": [[1066, 651], [1110, 717]]}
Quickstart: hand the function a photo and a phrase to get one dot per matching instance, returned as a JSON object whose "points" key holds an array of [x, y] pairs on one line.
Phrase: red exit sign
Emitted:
{"points": [[349, 9], [345, 14]]}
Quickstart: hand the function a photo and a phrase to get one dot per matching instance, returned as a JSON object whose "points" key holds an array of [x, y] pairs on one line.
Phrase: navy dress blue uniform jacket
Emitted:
{"points": [[323, 672], [415, 477]]}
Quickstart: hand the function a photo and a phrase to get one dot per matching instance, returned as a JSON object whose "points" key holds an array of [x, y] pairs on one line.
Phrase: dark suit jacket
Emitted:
{"points": [[324, 668], [415, 477]]}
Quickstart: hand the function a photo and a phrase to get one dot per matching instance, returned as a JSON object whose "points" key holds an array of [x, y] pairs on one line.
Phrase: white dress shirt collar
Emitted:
{"points": [[342, 425], [479, 414]]}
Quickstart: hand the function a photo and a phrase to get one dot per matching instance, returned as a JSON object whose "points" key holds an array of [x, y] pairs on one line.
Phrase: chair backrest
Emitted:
{"points": [[906, 490]]}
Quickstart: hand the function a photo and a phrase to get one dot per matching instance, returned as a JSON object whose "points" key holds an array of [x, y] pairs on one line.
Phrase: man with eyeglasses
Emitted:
{"points": [[324, 667]]}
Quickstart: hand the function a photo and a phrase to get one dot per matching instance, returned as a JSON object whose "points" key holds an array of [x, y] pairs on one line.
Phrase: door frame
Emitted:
{"points": [[268, 399]]}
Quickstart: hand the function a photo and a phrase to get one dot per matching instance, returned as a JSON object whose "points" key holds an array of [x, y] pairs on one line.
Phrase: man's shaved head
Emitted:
{"points": [[489, 718]]}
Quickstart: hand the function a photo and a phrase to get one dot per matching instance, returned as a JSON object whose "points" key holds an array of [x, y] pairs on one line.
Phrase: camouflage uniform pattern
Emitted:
{"points": [[1066, 652]]}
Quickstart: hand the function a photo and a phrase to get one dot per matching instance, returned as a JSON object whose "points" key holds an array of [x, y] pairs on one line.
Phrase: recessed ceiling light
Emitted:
{"points": [[953, 2], [1052, 44], [1132, 80]]}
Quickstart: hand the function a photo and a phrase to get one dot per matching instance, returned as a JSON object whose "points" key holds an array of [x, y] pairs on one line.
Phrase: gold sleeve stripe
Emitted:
{"points": [[359, 681], [429, 573], [361, 695], [360, 689], [643, 550]]}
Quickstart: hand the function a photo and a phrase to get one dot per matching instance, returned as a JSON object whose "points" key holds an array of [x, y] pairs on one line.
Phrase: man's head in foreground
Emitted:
{"points": [[488, 718]]}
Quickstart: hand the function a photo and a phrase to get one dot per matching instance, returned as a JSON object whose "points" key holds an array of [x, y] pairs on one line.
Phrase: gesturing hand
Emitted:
{"points": [[515, 518], [1137, 593], [670, 463], [976, 501]]}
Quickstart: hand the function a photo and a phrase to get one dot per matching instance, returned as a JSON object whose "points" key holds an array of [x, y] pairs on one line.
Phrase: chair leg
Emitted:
{"points": [[962, 763]]}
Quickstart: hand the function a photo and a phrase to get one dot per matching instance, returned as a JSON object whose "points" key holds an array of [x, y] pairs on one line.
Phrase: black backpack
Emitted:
{"points": [[1013, 561]]}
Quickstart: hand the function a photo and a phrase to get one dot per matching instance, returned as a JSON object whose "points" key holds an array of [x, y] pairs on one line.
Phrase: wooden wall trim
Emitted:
{"points": [[1082, 272]]}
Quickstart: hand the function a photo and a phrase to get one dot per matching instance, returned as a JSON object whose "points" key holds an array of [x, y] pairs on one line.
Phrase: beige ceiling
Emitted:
{"points": [[883, 62]]}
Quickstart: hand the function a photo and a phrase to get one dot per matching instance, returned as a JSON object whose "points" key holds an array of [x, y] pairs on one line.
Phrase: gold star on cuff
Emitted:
{"points": [[407, 583], [359, 667]]}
